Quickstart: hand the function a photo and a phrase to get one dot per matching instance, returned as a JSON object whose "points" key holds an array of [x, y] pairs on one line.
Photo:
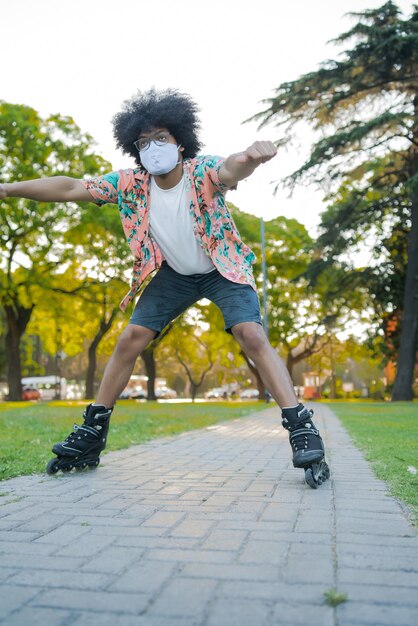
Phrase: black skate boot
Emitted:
{"points": [[307, 445], [83, 446]]}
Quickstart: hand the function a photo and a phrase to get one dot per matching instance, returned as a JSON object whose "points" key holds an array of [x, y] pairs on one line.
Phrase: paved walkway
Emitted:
{"points": [[209, 528]]}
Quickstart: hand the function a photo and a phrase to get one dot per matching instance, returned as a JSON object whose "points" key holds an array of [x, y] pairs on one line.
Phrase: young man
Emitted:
{"points": [[176, 221]]}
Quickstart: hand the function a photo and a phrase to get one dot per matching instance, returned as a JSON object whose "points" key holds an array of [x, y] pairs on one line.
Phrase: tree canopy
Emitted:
{"points": [[364, 107], [36, 246]]}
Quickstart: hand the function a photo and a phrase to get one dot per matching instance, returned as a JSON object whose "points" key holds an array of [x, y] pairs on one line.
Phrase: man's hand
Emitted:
{"points": [[259, 152], [240, 165]]}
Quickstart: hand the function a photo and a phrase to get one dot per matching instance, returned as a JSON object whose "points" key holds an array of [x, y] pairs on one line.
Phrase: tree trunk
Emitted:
{"points": [[405, 367], [17, 320], [104, 327], [91, 369], [193, 391], [195, 384], [14, 369], [304, 350], [37, 349], [290, 362], [149, 361]]}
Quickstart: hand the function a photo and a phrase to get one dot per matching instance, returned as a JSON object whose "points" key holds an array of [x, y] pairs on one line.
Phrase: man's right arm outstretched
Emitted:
{"points": [[53, 189]]}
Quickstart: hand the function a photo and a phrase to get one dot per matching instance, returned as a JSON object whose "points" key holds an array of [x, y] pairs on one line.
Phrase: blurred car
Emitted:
{"points": [[165, 393], [216, 392], [138, 393], [133, 393], [249, 394], [30, 393]]}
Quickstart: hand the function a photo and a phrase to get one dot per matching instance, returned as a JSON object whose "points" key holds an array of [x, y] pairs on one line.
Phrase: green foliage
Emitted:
{"points": [[287, 256], [198, 343], [380, 69], [333, 597], [364, 107], [353, 361], [375, 221], [297, 305], [34, 235], [49, 248]]}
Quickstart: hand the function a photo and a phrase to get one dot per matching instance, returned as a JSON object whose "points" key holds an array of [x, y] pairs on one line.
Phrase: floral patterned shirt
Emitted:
{"points": [[213, 225]]}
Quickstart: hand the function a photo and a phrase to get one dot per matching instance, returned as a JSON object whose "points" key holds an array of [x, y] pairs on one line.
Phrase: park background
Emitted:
{"points": [[336, 270], [79, 62]]}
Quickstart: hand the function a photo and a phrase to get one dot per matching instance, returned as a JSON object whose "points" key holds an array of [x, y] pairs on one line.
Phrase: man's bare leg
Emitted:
{"points": [[133, 340], [273, 371]]}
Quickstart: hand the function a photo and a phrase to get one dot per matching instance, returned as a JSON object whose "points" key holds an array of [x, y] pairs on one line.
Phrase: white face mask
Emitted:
{"points": [[159, 160]]}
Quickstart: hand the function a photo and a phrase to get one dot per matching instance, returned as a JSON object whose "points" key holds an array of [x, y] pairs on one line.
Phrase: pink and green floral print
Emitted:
{"points": [[213, 225]]}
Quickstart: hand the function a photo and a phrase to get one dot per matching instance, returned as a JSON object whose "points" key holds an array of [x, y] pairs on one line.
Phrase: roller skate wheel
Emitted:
{"points": [[310, 478], [52, 466], [317, 474], [67, 469], [94, 463]]}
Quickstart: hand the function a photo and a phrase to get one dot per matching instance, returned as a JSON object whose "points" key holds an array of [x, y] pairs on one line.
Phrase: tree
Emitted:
{"points": [[192, 347], [375, 223], [200, 344], [350, 360], [201, 354], [33, 247], [366, 106], [74, 321], [296, 311], [108, 316]]}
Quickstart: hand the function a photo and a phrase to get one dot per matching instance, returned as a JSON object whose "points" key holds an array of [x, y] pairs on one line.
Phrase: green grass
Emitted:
{"points": [[28, 431], [388, 435], [332, 597]]}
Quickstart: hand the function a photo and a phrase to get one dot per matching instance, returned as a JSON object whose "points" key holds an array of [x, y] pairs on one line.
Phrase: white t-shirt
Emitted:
{"points": [[171, 225]]}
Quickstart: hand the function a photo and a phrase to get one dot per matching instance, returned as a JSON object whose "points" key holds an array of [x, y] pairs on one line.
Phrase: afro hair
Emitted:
{"points": [[169, 109]]}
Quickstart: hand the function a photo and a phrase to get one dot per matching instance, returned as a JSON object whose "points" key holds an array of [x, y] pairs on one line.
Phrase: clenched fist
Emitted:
{"points": [[242, 164], [259, 152]]}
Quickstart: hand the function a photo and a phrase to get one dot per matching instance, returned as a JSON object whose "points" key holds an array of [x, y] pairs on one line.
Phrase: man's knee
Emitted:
{"points": [[251, 337], [134, 339]]}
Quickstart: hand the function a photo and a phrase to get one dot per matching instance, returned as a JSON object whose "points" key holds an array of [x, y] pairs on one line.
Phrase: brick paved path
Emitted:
{"points": [[209, 528]]}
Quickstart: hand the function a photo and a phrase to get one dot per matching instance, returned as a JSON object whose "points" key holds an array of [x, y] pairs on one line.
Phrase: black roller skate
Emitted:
{"points": [[83, 446], [307, 445]]}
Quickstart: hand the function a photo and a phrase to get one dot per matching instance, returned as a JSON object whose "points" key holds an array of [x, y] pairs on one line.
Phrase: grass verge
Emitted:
{"points": [[28, 431], [387, 433]]}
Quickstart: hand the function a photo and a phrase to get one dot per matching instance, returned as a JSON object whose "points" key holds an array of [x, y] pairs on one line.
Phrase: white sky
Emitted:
{"points": [[84, 57]]}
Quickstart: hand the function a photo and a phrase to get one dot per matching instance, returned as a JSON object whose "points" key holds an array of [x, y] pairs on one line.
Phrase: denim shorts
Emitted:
{"points": [[169, 294]]}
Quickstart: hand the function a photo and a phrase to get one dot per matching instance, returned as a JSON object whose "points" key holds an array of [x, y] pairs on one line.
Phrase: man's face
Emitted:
{"points": [[160, 136]]}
